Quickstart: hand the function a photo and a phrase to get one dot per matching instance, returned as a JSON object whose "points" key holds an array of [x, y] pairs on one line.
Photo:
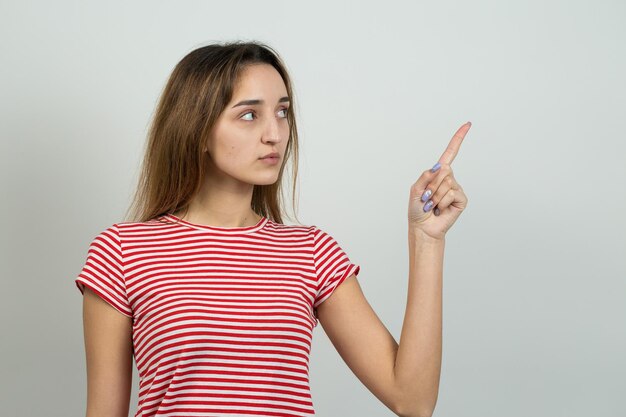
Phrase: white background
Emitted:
{"points": [[534, 274]]}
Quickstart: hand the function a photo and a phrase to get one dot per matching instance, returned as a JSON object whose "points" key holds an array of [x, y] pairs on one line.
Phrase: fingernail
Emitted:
{"points": [[428, 205], [426, 195], [437, 211], [435, 167]]}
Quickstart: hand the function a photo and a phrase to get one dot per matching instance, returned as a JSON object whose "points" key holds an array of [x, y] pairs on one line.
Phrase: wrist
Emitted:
{"points": [[419, 237]]}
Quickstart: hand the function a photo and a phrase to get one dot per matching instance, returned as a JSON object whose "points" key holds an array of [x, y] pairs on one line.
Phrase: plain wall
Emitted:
{"points": [[534, 270]]}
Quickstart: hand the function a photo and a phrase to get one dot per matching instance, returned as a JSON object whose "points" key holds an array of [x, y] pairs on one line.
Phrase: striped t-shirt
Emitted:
{"points": [[223, 317]]}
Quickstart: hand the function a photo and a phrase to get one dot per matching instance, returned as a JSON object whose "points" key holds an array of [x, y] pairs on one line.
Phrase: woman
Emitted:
{"points": [[214, 296]]}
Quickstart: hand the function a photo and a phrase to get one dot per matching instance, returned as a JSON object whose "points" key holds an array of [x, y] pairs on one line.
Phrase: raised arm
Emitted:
{"points": [[405, 375], [109, 354]]}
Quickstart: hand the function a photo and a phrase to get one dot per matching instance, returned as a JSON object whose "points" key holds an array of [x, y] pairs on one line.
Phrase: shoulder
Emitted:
{"points": [[288, 229], [157, 222], [157, 225], [109, 236], [113, 234]]}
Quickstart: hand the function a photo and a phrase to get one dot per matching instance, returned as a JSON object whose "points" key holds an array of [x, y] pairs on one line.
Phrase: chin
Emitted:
{"points": [[267, 180]]}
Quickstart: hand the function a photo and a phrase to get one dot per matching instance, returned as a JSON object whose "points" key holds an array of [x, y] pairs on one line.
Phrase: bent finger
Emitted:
{"points": [[427, 177]]}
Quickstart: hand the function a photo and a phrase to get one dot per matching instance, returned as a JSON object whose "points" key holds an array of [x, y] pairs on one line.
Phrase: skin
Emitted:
{"points": [[241, 136], [108, 350], [447, 194], [404, 376]]}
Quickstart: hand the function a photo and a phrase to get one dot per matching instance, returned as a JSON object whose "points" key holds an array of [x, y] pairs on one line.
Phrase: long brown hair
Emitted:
{"points": [[198, 90]]}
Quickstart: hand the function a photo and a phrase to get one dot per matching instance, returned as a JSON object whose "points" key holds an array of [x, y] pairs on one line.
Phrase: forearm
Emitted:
{"points": [[418, 359]]}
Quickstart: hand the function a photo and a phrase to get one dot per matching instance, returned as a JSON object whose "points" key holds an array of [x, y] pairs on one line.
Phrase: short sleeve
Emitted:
{"points": [[332, 266], [103, 270]]}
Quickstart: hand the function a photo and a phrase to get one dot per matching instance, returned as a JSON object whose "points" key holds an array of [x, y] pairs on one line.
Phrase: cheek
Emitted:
{"points": [[229, 157], [228, 146], [233, 153]]}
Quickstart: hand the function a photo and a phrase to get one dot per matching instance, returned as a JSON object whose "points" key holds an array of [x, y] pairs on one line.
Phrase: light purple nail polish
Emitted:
{"points": [[435, 167], [428, 205], [426, 195]]}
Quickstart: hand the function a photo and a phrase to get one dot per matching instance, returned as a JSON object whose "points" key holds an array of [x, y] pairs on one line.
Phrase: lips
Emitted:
{"points": [[272, 155]]}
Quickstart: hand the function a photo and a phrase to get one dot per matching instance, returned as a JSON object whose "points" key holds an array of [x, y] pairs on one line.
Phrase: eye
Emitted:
{"points": [[250, 112], [284, 109]]}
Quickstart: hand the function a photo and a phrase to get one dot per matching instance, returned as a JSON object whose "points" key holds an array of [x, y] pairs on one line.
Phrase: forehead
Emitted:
{"points": [[260, 81]]}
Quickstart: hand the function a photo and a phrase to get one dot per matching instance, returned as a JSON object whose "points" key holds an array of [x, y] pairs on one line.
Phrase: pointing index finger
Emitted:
{"points": [[455, 143]]}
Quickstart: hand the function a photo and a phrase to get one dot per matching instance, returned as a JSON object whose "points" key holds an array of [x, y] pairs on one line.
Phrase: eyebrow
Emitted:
{"points": [[255, 102]]}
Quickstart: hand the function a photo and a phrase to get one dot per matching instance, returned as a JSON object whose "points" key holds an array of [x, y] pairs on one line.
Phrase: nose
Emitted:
{"points": [[272, 130]]}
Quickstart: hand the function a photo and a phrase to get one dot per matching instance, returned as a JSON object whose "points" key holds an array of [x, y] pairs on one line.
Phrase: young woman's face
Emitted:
{"points": [[251, 126]]}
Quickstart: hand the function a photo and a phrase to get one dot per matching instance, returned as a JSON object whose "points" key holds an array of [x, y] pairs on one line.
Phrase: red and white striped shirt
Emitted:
{"points": [[223, 317]]}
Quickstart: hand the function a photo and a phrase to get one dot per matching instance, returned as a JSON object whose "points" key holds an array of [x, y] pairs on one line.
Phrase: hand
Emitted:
{"points": [[447, 199]]}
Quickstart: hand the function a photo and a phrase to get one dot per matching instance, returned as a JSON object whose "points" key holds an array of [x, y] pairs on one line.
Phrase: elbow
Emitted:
{"points": [[414, 413], [419, 401], [415, 409]]}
